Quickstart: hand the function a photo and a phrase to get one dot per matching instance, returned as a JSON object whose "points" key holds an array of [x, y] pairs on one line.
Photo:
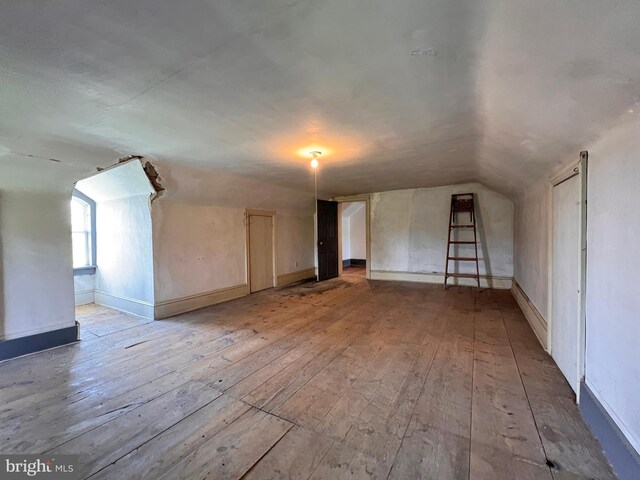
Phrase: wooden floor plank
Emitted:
{"points": [[233, 451], [153, 458], [381, 425], [568, 442], [437, 440], [344, 461], [504, 434], [295, 456], [114, 439], [42, 430]]}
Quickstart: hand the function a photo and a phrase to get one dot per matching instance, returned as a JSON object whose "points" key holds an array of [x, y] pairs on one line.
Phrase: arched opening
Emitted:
{"points": [[112, 249]]}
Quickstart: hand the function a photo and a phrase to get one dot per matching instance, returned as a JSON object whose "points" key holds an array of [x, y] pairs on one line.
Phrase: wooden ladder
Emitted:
{"points": [[462, 203]]}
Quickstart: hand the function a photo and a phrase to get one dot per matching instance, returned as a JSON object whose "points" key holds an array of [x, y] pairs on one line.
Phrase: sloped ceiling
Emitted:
{"points": [[395, 94]]}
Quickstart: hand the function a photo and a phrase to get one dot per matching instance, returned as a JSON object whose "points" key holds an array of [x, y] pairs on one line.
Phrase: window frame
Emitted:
{"points": [[88, 269]]}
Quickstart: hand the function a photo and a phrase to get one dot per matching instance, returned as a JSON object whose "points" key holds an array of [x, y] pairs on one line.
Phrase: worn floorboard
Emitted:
{"points": [[347, 378]]}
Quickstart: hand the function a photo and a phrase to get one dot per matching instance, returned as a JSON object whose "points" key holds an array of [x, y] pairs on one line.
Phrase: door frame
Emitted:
{"points": [[579, 169], [249, 212], [366, 198]]}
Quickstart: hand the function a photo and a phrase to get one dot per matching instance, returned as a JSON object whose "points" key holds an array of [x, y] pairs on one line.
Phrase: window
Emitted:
{"points": [[83, 233]]}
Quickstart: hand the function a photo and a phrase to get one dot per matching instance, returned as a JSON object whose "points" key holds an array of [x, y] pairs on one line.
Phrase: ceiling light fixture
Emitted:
{"points": [[314, 159]]}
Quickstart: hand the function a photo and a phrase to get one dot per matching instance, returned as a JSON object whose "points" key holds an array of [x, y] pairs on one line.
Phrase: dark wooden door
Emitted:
{"points": [[327, 240]]}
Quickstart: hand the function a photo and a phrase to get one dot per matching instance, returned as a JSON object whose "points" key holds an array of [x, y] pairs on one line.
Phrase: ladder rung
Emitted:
{"points": [[463, 242], [462, 226], [464, 259], [463, 275]]}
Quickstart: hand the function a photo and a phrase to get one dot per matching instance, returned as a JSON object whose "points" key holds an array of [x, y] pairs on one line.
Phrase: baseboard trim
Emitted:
{"points": [[293, 277], [485, 281], [531, 313], [620, 453], [83, 298], [358, 262], [125, 304], [176, 306], [17, 347]]}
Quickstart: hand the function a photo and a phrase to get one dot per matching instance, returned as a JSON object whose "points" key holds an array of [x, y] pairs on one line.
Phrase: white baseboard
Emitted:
{"points": [[176, 306], [531, 313], [125, 304], [85, 297], [485, 282], [287, 278]]}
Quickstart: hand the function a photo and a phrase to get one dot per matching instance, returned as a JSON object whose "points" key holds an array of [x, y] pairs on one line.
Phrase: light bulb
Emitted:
{"points": [[314, 162]]}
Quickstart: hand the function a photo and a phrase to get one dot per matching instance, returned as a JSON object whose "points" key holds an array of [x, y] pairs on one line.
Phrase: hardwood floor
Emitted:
{"points": [[344, 379], [358, 270]]}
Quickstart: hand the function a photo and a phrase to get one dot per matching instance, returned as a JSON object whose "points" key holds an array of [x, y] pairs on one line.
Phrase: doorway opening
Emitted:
{"points": [[112, 250], [353, 238], [336, 252]]}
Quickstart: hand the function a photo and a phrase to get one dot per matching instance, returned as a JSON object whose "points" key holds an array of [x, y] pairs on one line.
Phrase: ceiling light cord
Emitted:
{"points": [[314, 165], [315, 190]]}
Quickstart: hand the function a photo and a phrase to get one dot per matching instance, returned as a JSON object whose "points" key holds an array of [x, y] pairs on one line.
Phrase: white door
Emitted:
{"points": [[565, 320], [260, 252]]}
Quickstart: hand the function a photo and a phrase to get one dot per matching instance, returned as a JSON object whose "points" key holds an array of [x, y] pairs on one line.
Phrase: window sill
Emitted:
{"points": [[90, 270]]}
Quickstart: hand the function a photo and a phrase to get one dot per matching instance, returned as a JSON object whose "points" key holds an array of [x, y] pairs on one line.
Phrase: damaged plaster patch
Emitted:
{"points": [[154, 178], [149, 170]]}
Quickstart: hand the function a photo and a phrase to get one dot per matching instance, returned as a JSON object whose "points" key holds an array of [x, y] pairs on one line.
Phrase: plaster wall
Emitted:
{"points": [[36, 275], [84, 287], [202, 248], [199, 248], [358, 234], [124, 274], [613, 303], [532, 244], [346, 237], [409, 230], [294, 240], [199, 233]]}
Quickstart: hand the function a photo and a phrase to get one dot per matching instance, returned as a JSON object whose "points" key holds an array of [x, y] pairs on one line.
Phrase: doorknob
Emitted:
{"points": [[321, 243]]}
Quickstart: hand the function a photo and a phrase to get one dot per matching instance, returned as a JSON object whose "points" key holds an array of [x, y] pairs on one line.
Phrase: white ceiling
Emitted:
{"points": [[397, 94]]}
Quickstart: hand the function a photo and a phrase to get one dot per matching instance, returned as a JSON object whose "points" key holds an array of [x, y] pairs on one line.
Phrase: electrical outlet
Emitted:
{"points": [[296, 263]]}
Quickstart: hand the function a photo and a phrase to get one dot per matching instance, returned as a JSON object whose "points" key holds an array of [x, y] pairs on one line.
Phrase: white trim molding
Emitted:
{"points": [[564, 173], [485, 281], [84, 297], [125, 304], [531, 313], [176, 306], [293, 277]]}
